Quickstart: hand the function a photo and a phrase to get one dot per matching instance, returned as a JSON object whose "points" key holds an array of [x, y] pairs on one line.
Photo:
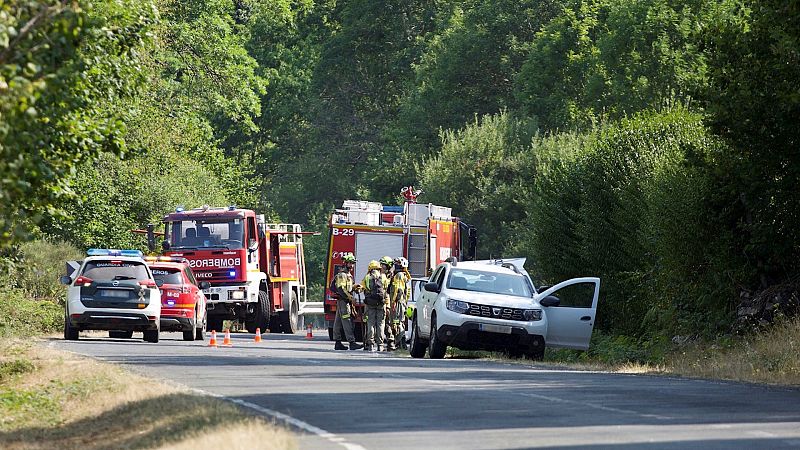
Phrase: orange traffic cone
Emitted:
{"points": [[309, 334], [226, 341], [213, 341], [258, 335]]}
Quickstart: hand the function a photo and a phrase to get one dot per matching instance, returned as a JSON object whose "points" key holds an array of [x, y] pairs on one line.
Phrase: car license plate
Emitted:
{"points": [[494, 328], [117, 293]]}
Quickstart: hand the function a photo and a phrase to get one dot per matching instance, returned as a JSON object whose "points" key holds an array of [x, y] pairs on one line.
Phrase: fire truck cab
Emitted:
{"points": [[425, 234], [256, 270]]}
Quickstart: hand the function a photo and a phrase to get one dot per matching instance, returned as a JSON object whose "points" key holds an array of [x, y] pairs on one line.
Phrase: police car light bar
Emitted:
{"points": [[114, 252]]}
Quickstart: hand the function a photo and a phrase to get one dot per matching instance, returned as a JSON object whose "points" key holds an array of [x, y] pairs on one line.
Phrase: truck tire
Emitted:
{"points": [[261, 317], [417, 346], [188, 335], [436, 348], [289, 317], [151, 336], [119, 334], [214, 324], [70, 332]]}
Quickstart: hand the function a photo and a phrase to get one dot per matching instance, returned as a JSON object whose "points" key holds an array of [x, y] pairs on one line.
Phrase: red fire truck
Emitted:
{"points": [[256, 269], [425, 234]]}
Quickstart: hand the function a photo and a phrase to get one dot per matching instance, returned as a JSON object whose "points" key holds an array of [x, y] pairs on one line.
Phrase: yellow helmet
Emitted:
{"points": [[374, 265], [387, 261]]}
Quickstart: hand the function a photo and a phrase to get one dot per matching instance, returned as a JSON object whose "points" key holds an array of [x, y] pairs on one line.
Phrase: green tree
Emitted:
{"points": [[64, 66], [605, 59]]}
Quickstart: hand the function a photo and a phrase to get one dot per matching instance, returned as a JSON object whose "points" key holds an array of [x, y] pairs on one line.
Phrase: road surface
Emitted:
{"points": [[359, 400]]}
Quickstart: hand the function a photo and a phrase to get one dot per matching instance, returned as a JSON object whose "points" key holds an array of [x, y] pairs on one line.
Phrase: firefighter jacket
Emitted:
{"points": [[397, 287], [375, 288], [344, 286]]}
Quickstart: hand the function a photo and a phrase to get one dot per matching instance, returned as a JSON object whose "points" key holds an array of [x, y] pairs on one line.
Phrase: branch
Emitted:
{"points": [[37, 20]]}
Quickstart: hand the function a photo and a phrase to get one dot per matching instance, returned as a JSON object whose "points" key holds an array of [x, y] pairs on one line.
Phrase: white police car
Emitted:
{"points": [[112, 290]]}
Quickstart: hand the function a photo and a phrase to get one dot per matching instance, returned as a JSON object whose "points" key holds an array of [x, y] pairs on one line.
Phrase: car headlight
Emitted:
{"points": [[457, 306], [533, 314]]}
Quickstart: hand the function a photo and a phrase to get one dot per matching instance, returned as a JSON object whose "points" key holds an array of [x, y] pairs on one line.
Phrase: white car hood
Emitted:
{"points": [[509, 301]]}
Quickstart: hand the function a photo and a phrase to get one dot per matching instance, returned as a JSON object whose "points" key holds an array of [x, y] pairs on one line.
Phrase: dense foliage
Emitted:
{"points": [[653, 143]]}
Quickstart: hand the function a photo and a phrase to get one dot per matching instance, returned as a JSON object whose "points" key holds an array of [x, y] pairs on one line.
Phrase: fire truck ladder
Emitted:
{"points": [[417, 254]]}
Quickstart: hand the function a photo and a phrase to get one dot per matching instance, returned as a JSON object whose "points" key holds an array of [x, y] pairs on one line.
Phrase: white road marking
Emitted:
{"points": [[541, 397], [305, 426]]}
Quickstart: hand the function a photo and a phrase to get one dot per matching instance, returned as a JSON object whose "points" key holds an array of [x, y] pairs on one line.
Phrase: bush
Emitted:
{"points": [[39, 267], [22, 316]]}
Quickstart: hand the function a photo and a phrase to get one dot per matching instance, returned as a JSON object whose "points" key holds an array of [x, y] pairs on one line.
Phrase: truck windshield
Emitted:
{"points": [[206, 233], [490, 282]]}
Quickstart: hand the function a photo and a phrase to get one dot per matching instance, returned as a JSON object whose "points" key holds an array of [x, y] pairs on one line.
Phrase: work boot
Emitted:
{"points": [[339, 346], [367, 347], [379, 347], [355, 345], [390, 347]]}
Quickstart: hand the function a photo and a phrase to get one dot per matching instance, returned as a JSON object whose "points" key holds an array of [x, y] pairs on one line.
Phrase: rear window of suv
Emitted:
{"points": [[167, 276], [488, 282], [115, 270]]}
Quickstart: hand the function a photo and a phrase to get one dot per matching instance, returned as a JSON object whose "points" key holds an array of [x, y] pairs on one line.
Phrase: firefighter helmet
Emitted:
{"points": [[387, 260], [374, 265], [348, 258], [402, 262]]}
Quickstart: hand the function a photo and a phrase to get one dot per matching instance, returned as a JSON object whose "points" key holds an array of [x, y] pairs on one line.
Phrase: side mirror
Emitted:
{"points": [[550, 300], [165, 244], [252, 245], [205, 285], [159, 283], [431, 287], [66, 279]]}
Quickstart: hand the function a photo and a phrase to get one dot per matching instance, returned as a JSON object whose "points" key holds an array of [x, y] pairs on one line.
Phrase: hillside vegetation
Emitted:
{"points": [[652, 143]]}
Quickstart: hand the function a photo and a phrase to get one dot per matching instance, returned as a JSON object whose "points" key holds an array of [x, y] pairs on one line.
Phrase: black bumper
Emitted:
{"points": [[170, 323], [469, 337], [113, 321]]}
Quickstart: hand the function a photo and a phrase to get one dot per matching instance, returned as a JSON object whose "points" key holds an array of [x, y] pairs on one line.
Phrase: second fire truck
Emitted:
{"points": [[256, 269], [425, 234]]}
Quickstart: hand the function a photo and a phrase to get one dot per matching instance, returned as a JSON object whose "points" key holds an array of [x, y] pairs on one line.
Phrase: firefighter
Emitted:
{"points": [[398, 301], [375, 298], [387, 263], [343, 284]]}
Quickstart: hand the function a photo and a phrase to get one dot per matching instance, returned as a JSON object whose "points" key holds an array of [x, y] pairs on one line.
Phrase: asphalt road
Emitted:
{"points": [[355, 400]]}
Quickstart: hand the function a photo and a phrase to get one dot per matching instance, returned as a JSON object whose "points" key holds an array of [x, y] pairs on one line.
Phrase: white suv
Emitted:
{"points": [[493, 305], [114, 290]]}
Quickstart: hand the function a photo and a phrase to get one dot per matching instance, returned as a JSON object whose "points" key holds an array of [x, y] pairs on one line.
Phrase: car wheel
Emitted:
{"points": [[119, 334], [200, 332], [70, 332], [289, 318], [188, 335], [417, 347], [536, 354], [214, 324], [436, 348], [151, 336]]}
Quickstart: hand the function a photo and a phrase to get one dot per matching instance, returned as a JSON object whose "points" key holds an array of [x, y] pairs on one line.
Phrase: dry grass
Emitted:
{"points": [[51, 399], [771, 357]]}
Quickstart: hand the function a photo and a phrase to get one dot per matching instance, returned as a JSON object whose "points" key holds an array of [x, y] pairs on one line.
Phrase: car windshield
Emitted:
{"points": [[489, 282], [167, 276], [206, 233], [115, 270]]}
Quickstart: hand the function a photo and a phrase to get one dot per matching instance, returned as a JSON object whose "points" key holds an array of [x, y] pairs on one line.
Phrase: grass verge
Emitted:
{"points": [[769, 357], [51, 399]]}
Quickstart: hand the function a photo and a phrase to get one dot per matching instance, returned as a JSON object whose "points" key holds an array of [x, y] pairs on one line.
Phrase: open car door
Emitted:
{"points": [[570, 323]]}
